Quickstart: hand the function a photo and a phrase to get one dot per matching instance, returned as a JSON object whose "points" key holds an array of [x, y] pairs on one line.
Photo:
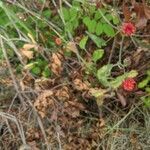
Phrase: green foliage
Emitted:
{"points": [[46, 72], [144, 84], [116, 82], [47, 13], [99, 24], [104, 73], [71, 18], [108, 30], [146, 100], [99, 29], [97, 40], [39, 67], [104, 76], [83, 42], [97, 55], [36, 70]]}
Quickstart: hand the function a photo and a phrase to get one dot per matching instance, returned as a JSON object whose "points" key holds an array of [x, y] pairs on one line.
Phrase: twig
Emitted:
{"points": [[112, 51], [39, 122], [11, 72], [19, 126], [120, 52]]}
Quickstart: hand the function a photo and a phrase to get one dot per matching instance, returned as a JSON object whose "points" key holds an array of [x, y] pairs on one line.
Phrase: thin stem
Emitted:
{"points": [[120, 52]]}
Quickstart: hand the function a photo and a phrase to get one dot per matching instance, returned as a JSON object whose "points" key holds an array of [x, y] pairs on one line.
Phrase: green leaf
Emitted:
{"points": [[73, 13], [97, 55], [146, 100], [132, 74], [36, 70], [86, 20], [75, 23], [66, 15], [91, 26], [99, 28], [104, 73], [108, 29], [47, 13], [47, 72], [83, 42], [148, 72], [115, 19], [143, 83], [69, 27], [97, 15], [109, 17], [115, 83], [97, 40], [91, 9], [147, 89]]}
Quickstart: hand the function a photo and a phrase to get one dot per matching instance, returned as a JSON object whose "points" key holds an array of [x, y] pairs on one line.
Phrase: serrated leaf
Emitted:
{"points": [[132, 74], [92, 26], [99, 95], [115, 83], [99, 28], [97, 40], [116, 19], [66, 15], [103, 74], [97, 55], [86, 20], [143, 83], [83, 42], [108, 29], [47, 72], [36, 70], [73, 13], [109, 17], [97, 15], [47, 13]]}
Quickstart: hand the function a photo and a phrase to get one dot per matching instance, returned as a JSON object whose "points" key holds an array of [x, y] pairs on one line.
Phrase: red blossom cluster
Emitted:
{"points": [[128, 28], [129, 84]]}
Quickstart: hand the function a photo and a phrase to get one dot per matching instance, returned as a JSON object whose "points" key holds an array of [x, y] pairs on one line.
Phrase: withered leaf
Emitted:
{"points": [[56, 65], [29, 46], [142, 12], [126, 13], [80, 85], [27, 53]]}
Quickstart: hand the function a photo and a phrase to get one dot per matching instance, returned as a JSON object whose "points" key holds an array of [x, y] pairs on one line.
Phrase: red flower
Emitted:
{"points": [[58, 41], [129, 84], [128, 28]]}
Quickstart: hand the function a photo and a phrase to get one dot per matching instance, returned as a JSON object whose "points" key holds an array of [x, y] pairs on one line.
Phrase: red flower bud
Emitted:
{"points": [[58, 41], [129, 84], [128, 28]]}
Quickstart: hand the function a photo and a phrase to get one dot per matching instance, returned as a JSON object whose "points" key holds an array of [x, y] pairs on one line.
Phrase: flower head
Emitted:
{"points": [[129, 84], [128, 28], [58, 41]]}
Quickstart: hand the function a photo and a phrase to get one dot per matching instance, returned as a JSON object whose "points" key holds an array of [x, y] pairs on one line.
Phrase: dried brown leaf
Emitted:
{"points": [[29, 46], [80, 85], [126, 13], [142, 12], [43, 102], [27, 53], [56, 65], [63, 93]]}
